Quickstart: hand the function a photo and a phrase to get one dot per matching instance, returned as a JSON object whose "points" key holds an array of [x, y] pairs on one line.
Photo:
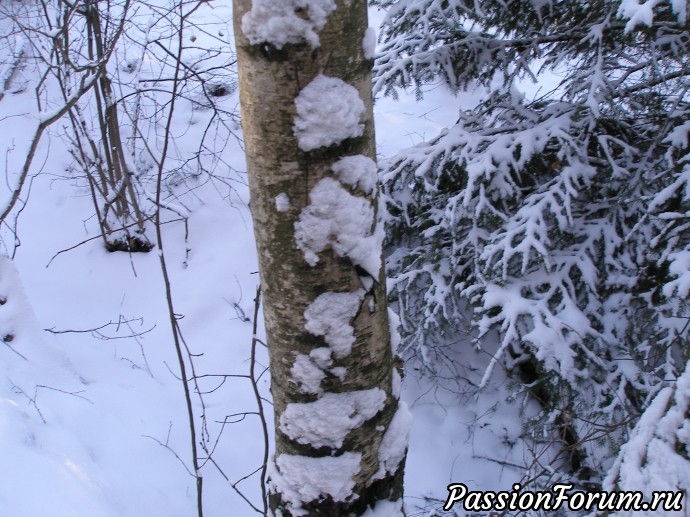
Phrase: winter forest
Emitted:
{"points": [[324, 257]]}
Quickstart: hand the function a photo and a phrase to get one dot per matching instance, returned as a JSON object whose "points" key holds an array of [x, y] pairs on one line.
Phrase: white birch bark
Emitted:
{"points": [[326, 317]]}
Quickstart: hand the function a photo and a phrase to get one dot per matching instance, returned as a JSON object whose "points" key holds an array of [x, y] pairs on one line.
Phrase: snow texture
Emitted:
{"points": [[301, 479], [345, 222], [393, 326], [339, 371], [282, 202], [650, 458], [308, 374], [309, 370], [330, 315], [396, 384], [680, 268], [368, 284], [327, 421], [278, 22], [394, 443], [643, 13], [357, 171], [328, 111], [369, 43]]}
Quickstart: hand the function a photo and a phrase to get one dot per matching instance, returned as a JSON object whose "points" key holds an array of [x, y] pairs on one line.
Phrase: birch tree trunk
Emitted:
{"points": [[305, 90]]}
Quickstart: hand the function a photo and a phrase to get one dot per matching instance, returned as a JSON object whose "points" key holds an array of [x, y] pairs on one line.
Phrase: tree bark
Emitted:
{"points": [[309, 374]]}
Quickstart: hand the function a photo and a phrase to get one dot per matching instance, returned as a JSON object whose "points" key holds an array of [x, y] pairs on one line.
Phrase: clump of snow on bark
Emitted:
{"points": [[367, 282], [279, 23], [369, 43], [327, 421], [301, 479], [385, 509], [306, 373], [282, 202], [322, 357], [338, 219], [394, 443], [393, 326], [330, 315], [328, 111], [396, 387], [357, 171], [339, 371]]}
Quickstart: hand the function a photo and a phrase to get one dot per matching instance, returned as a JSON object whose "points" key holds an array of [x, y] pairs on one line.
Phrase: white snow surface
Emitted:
{"points": [[330, 316], [328, 420], [357, 171], [649, 460], [343, 221], [642, 13], [395, 441], [328, 111], [394, 329], [301, 479], [282, 202], [307, 374], [278, 22], [369, 43]]}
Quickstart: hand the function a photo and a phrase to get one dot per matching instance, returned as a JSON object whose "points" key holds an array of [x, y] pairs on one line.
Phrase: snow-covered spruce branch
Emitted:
{"points": [[560, 221]]}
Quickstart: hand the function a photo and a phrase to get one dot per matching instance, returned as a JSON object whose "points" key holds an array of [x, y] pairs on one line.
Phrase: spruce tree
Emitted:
{"points": [[558, 216]]}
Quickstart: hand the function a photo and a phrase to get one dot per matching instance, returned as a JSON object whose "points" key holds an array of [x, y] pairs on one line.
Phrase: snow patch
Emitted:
{"points": [[643, 13], [282, 202], [394, 443], [337, 218], [327, 421], [369, 43], [368, 284], [650, 458], [300, 479], [330, 315], [393, 326], [328, 111], [396, 384], [279, 23], [357, 171], [322, 357], [680, 268], [307, 374], [339, 371]]}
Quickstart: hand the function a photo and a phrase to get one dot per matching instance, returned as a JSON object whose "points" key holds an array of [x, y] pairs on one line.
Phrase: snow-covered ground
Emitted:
{"points": [[93, 420]]}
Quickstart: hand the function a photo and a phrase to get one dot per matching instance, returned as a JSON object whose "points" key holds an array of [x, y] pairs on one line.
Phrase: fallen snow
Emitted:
{"points": [[357, 171], [279, 23], [328, 111], [330, 315], [301, 479], [327, 421], [345, 222]]}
